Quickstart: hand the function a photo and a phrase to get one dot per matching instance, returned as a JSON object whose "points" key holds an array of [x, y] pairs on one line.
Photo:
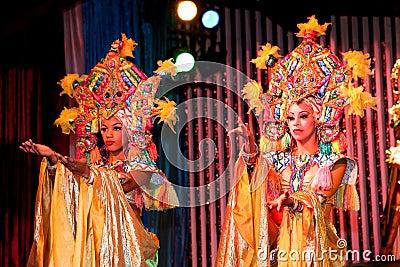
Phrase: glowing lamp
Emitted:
{"points": [[187, 10], [210, 19], [184, 62]]}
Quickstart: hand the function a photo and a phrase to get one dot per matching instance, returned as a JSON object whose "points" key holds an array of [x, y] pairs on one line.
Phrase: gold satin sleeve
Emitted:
{"points": [[247, 233], [87, 225]]}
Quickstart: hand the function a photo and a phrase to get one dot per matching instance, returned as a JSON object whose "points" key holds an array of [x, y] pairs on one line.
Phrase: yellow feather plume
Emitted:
{"points": [[66, 119], [68, 81], [359, 63], [166, 67], [393, 154], [166, 111], [358, 99], [312, 26], [265, 51], [128, 47], [251, 91]]}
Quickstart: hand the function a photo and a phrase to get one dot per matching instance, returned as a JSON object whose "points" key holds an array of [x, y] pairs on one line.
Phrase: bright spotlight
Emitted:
{"points": [[184, 62], [210, 19], [187, 10]]}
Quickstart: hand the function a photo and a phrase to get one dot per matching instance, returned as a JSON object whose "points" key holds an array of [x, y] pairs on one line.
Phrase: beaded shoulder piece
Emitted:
{"points": [[281, 160]]}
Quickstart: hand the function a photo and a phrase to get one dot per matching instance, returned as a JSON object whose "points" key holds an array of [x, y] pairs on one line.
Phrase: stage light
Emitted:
{"points": [[184, 62], [187, 10], [210, 19]]}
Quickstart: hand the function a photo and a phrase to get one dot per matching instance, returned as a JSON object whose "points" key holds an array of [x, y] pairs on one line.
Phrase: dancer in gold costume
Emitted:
{"points": [[88, 208], [278, 212]]}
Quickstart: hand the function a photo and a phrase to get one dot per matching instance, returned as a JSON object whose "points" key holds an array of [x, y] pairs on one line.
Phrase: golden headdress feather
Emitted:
{"points": [[166, 67], [166, 112], [312, 26], [266, 51]]}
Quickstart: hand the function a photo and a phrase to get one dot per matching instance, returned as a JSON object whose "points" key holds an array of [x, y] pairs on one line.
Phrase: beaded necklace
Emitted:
{"points": [[300, 164]]}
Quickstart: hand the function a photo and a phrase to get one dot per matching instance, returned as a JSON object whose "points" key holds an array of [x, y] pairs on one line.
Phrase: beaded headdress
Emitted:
{"points": [[310, 71], [115, 86]]}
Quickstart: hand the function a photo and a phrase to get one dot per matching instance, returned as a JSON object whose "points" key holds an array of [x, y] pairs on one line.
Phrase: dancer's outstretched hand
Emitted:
{"points": [[243, 130], [76, 166], [42, 150]]}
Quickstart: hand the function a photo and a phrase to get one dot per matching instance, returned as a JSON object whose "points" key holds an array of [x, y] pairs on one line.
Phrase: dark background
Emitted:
{"points": [[31, 24]]}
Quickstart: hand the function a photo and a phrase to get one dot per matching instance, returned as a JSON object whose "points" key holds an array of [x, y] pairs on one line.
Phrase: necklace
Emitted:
{"points": [[300, 164], [120, 166]]}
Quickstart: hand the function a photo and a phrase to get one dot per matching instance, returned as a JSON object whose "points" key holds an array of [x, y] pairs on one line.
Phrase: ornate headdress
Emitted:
{"points": [[115, 86], [311, 72]]}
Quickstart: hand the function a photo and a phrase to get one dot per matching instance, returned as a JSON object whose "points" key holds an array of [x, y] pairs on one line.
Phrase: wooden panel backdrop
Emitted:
{"points": [[242, 32]]}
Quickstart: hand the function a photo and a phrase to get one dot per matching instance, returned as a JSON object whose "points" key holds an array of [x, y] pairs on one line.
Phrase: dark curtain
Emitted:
{"points": [[32, 63]]}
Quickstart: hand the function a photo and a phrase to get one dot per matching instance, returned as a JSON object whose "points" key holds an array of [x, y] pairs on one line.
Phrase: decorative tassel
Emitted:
{"points": [[342, 141], [138, 198], [322, 179], [351, 200], [346, 197], [339, 196], [336, 146], [325, 148], [153, 153], [286, 140]]}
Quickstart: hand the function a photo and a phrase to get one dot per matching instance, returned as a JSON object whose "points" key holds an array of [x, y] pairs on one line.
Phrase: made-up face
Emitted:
{"points": [[112, 131], [301, 122]]}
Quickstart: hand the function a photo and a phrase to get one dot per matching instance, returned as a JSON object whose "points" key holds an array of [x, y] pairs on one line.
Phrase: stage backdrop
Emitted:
{"points": [[189, 235]]}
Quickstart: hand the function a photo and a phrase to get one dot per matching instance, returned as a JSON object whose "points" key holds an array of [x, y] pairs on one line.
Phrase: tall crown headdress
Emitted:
{"points": [[115, 83], [310, 70]]}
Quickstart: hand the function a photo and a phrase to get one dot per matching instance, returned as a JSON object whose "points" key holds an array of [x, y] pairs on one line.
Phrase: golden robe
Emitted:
{"points": [[77, 224], [252, 234]]}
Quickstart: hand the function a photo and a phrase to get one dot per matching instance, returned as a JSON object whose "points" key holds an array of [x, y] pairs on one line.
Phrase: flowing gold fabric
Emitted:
{"points": [[250, 236], [247, 234], [307, 238], [87, 225]]}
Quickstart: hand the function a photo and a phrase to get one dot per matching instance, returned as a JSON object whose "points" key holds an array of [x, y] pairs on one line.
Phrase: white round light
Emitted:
{"points": [[184, 62], [210, 19], [187, 10]]}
